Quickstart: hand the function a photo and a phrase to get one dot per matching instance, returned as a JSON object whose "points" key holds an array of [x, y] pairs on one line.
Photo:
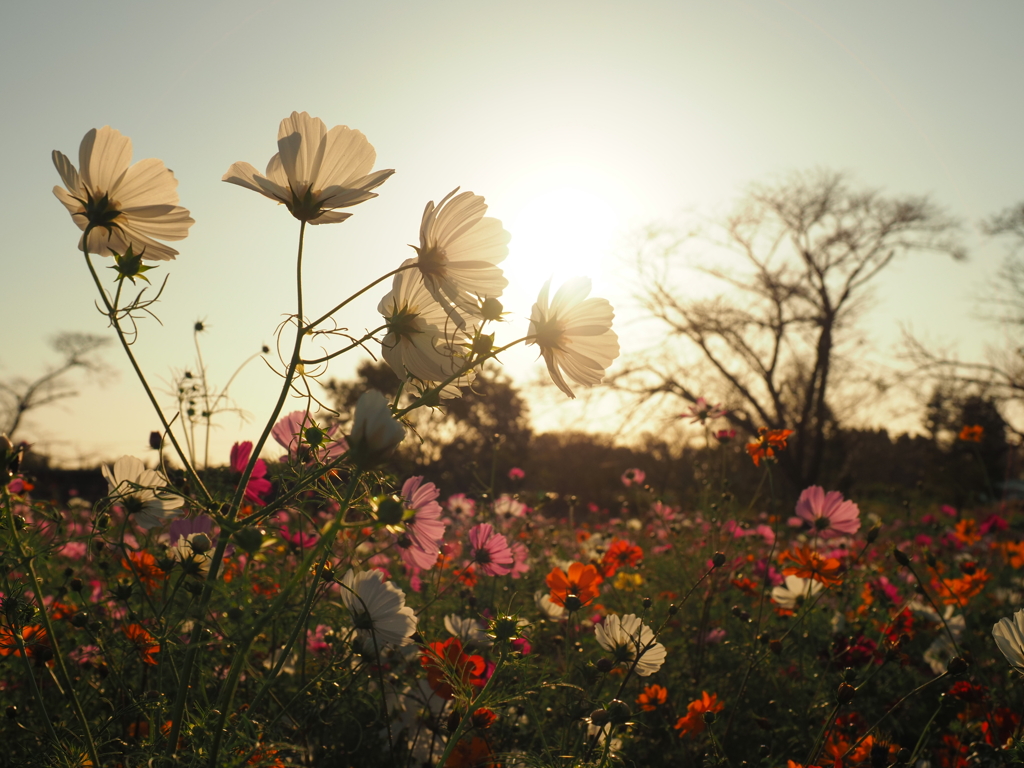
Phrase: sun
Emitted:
{"points": [[558, 233]]}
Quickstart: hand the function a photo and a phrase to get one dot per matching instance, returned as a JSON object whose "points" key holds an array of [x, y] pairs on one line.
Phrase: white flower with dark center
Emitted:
{"points": [[142, 492], [574, 334], [468, 631], [421, 340], [127, 205], [628, 639], [378, 609], [1009, 637], [375, 431], [193, 552], [795, 592], [459, 253], [315, 171]]}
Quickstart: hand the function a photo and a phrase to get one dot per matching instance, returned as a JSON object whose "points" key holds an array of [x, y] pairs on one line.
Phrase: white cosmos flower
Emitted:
{"points": [[468, 631], [459, 253], [421, 341], [1009, 636], [551, 610], [129, 205], [574, 334], [378, 609], [626, 638], [141, 491], [795, 592], [315, 171], [184, 552]]}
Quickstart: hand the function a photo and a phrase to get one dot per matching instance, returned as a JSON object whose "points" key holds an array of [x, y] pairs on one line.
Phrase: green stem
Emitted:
{"points": [[359, 293]]}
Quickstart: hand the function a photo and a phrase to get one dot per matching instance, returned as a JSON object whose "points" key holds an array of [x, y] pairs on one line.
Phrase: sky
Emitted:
{"points": [[581, 124]]}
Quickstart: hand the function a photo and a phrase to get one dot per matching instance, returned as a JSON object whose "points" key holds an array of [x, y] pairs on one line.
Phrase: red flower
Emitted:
{"points": [[768, 441], [483, 718], [470, 753], [692, 722], [143, 567], [445, 662], [972, 433], [34, 637], [808, 564]]}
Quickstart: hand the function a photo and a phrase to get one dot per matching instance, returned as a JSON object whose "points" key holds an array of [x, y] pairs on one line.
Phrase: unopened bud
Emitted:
{"points": [[483, 343], [718, 559], [901, 558], [491, 309], [201, 543], [873, 532], [390, 510], [846, 693], [957, 665], [618, 712], [249, 539], [599, 717]]}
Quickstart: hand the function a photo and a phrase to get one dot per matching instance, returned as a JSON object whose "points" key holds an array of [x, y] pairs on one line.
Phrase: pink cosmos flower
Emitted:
{"points": [[516, 474], [521, 557], [461, 505], [633, 477], [420, 542], [829, 514], [701, 411], [507, 507], [258, 484], [490, 550], [725, 435], [291, 433]]}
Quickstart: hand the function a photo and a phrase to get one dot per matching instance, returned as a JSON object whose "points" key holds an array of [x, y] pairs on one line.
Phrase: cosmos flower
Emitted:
{"points": [[1009, 636], [193, 551], [468, 631], [144, 643], [490, 550], [379, 613], [633, 477], [972, 433], [446, 664], [375, 432], [809, 564], [701, 411], [421, 340], [768, 441], [419, 544], [692, 723], [652, 697], [127, 205], [315, 171], [629, 640], [795, 592], [461, 505], [141, 491], [574, 334], [581, 583], [459, 253], [299, 435], [258, 485], [828, 514]]}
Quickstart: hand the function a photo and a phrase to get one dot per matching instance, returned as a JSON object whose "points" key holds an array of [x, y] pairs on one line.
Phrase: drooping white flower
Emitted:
{"points": [[375, 431], [1009, 637], [128, 205], [378, 609], [142, 492], [550, 609], [422, 341], [193, 555], [627, 638], [315, 171], [795, 592], [459, 253], [574, 334]]}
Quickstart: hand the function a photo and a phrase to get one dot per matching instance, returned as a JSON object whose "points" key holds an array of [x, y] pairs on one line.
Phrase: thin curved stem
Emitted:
{"points": [[359, 293]]}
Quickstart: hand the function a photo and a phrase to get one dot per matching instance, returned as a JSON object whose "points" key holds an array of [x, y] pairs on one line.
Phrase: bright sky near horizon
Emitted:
{"points": [[579, 122]]}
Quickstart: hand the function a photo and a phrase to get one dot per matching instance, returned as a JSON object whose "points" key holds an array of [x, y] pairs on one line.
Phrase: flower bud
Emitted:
{"points": [[11, 712], [718, 560], [390, 510], [201, 543], [572, 603], [873, 532], [155, 440], [599, 717], [957, 665], [846, 693], [483, 343], [249, 539], [901, 558], [491, 309], [376, 433], [709, 717], [605, 665]]}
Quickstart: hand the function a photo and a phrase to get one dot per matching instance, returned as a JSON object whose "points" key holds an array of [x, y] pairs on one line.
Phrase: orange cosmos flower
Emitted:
{"points": [[144, 643], [972, 433], [581, 582], [470, 753], [768, 441], [621, 554], [1013, 552], [692, 722], [808, 564], [143, 566], [652, 697], [966, 531], [959, 591], [34, 637]]}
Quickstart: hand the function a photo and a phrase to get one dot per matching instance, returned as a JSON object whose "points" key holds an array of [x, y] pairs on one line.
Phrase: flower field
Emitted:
{"points": [[323, 610]]}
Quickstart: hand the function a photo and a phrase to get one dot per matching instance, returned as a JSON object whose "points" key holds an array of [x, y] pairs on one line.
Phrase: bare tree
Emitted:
{"points": [[1000, 377], [789, 268], [18, 396]]}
